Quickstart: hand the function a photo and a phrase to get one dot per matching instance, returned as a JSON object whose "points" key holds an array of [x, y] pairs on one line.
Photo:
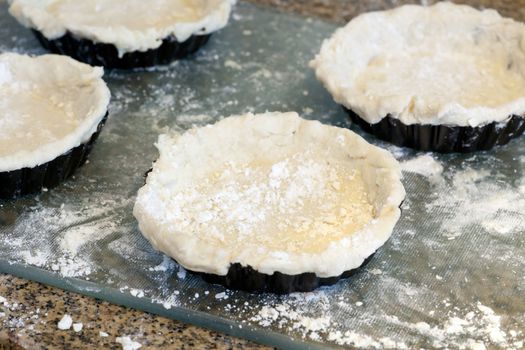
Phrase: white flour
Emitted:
{"points": [[477, 328], [5, 73], [77, 327], [15, 316], [471, 198], [167, 264], [72, 267], [302, 194], [78, 236], [65, 255], [424, 165], [291, 315], [232, 64], [497, 207], [65, 323], [195, 120], [127, 343]]}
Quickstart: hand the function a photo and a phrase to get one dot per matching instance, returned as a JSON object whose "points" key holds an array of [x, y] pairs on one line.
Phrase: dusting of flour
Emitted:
{"points": [[497, 207], [304, 197], [68, 254], [476, 327]]}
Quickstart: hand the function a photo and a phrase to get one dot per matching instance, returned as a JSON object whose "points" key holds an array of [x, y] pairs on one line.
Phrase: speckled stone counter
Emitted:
{"points": [[30, 312]]}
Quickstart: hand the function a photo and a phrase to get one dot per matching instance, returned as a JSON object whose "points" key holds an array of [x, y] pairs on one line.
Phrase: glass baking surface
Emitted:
{"points": [[452, 274]]}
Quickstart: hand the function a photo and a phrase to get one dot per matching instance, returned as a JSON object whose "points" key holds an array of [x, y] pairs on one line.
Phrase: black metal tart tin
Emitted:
{"points": [[443, 138], [250, 280], [101, 54], [24, 181]]}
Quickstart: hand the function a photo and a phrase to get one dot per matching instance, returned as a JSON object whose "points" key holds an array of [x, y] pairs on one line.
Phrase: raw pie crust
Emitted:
{"points": [[131, 25], [271, 191], [445, 64], [49, 104]]}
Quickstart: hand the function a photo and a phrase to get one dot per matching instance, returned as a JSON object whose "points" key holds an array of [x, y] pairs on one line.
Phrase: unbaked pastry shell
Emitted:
{"points": [[445, 64], [70, 100], [131, 25], [186, 157]]}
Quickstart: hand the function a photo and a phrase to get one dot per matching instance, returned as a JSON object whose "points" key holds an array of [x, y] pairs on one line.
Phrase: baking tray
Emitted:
{"points": [[452, 275]]}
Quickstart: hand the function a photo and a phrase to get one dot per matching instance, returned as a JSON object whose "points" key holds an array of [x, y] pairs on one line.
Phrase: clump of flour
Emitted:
{"points": [[127, 343], [424, 165]]}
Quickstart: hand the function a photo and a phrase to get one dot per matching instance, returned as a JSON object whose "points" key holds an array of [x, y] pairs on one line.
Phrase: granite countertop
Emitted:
{"points": [[31, 311], [342, 11]]}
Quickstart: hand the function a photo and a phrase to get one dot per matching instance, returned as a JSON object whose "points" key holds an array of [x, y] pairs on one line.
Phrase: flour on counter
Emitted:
{"points": [[423, 165], [17, 317], [37, 259], [78, 236], [138, 293], [363, 341], [195, 120], [65, 323], [67, 257], [181, 274], [167, 264], [169, 299], [454, 325], [127, 343], [471, 199], [221, 295], [232, 64], [478, 328], [293, 314]]}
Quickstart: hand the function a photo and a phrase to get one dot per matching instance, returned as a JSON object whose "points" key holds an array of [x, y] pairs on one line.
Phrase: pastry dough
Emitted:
{"points": [[444, 64], [48, 105], [130, 25], [272, 191]]}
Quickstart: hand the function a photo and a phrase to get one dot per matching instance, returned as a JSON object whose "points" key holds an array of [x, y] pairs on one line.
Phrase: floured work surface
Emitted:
{"points": [[452, 275]]}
